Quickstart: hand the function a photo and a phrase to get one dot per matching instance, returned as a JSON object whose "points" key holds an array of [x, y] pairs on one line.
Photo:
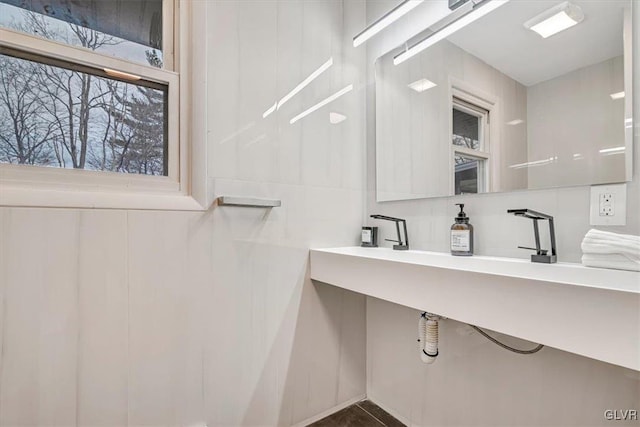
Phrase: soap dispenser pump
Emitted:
{"points": [[461, 234]]}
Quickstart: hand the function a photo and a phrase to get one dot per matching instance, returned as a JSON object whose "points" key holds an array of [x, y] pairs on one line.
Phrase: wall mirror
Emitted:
{"points": [[507, 102]]}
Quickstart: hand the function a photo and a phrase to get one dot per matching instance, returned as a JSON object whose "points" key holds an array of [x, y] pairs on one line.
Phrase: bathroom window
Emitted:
{"points": [[60, 115], [134, 30], [89, 97], [470, 146]]}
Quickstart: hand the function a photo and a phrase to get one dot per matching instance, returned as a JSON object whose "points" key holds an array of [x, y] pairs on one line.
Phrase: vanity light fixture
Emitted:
{"points": [[613, 150], [515, 122], [617, 95], [335, 118], [386, 20], [558, 18], [322, 103], [480, 9], [276, 106], [422, 85]]}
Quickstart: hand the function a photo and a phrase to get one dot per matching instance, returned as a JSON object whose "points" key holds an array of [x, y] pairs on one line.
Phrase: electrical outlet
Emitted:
{"points": [[609, 204]]}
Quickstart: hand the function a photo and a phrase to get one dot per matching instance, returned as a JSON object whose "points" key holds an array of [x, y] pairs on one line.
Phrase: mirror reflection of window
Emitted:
{"points": [[466, 175], [466, 129], [470, 142]]}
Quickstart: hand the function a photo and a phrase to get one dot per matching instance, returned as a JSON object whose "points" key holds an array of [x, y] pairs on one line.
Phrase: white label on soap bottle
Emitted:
{"points": [[366, 236], [460, 240]]}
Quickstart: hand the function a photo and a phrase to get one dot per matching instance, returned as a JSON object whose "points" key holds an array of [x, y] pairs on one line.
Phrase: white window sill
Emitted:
{"points": [[23, 196]]}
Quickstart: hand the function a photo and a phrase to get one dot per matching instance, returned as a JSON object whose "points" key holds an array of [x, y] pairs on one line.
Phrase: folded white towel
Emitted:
{"points": [[607, 249], [614, 261], [604, 242], [608, 235]]}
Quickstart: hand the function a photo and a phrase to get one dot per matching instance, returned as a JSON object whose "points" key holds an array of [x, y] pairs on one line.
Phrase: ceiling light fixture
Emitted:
{"points": [[298, 88], [386, 20], [322, 103], [558, 18], [422, 85], [479, 10], [617, 95]]}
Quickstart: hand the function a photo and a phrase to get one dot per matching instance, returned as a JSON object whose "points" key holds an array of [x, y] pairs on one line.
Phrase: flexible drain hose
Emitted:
{"points": [[506, 347], [428, 338]]}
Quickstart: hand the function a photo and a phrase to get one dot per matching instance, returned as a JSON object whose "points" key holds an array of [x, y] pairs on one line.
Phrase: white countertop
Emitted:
{"points": [[593, 312], [562, 272]]}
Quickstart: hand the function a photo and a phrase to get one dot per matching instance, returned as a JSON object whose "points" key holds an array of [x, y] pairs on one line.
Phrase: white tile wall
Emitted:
{"points": [[135, 318], [474, 382], [300, 346]]}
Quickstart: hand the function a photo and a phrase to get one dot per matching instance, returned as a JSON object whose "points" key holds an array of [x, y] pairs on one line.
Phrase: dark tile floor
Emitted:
{"points": [[361, 414]]}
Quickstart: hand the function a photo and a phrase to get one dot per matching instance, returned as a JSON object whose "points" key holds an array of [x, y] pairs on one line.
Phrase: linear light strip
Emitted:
{"points": [[270, 110], [322, 103], [535, 163], [386, 20], [299, 87], [613, 150], [478, 11]]}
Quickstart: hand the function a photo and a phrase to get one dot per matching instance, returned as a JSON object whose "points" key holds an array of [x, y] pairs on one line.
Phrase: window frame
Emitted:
{"points": [[24, 185], [482, 106]]}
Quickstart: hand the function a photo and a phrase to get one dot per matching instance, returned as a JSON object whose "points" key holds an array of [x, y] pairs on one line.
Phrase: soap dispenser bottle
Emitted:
{"points": [[461, 234]]}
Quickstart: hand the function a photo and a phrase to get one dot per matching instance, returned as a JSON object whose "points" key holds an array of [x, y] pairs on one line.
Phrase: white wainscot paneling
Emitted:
{"points": [[40, 325]]}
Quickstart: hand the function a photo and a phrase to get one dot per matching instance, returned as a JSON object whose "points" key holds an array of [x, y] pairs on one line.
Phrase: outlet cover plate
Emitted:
{"points": [[619, 193]]}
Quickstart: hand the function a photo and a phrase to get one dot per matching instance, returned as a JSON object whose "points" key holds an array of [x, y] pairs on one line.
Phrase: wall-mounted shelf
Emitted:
{"points": [[248, 202], [588, 311]]}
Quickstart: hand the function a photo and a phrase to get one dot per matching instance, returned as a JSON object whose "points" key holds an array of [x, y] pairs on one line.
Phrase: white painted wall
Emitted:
{"points": [[116, 318], [474, 382]]}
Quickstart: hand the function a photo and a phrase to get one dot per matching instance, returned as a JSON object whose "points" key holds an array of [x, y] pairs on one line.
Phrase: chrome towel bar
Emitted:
{"points": [[248, 202]]}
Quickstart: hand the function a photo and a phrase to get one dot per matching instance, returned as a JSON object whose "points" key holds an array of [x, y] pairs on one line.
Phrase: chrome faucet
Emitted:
{"points": [[541, 255], [401, 245]]}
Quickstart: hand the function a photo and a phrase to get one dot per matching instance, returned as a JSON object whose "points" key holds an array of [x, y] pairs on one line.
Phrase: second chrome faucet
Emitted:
{"points": [[541, 255]]}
